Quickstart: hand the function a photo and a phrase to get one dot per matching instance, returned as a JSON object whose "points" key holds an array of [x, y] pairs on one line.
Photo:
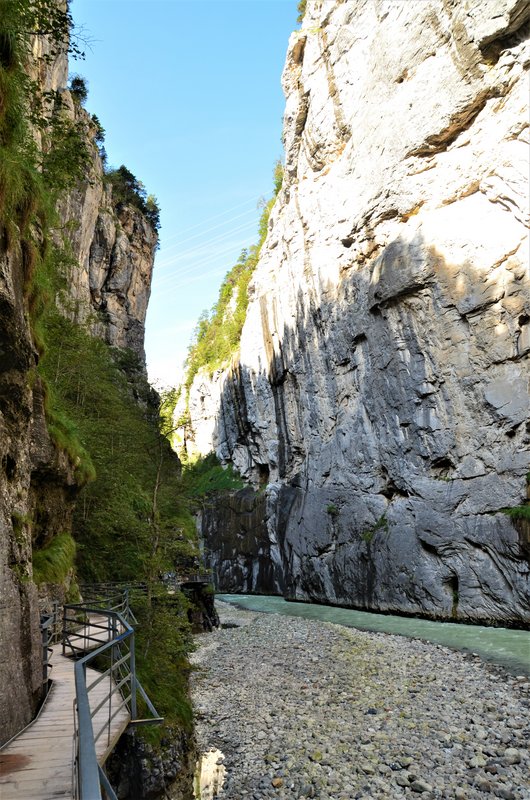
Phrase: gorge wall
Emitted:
{"points": [[108, 288], [380, 395]]}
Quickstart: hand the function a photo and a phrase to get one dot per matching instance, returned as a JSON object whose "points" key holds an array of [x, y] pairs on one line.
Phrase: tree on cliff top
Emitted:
{"points": [[301, 10], [128, 190]]}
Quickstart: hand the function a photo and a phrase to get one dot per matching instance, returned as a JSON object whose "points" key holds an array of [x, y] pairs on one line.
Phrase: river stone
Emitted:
{"points": [[244, 671], [512, 756]]}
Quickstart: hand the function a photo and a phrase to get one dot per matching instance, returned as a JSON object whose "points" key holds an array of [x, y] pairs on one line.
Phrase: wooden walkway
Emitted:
{"points": [[38, 764]]}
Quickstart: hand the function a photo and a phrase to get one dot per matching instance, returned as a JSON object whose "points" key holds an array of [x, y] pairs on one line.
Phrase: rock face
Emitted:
{"points": [[20, 657], [382, 383], [114, 247], [246, 557]]}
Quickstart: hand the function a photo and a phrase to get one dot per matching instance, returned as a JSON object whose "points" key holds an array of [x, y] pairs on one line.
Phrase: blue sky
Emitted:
{"points": [[189, 94]]}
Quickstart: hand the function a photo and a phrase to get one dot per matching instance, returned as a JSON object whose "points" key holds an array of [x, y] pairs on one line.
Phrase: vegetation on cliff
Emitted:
{"points": [[43, 153], [218, 331], [132, 520], [128, 190], [301, 10]]}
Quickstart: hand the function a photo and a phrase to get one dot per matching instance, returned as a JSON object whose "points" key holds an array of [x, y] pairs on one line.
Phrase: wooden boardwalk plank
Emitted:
{"points": [[38, 764]]}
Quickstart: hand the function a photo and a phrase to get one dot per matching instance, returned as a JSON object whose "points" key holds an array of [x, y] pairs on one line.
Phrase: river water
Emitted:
{"points": [[509, 648]]}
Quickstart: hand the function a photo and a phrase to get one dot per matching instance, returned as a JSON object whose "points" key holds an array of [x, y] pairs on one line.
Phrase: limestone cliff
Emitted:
{"points": [[382, 383], [113, 247]]}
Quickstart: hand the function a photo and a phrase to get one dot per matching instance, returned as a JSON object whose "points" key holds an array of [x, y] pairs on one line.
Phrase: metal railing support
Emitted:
{"points": [[48, 627], [132, 667], [65, 632], [107, 788], [87, 762], [118, 647]]}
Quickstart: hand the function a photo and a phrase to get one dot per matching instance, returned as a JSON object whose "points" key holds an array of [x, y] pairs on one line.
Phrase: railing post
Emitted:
{"points": [[111, 676], [64, 631], [45, 640], [132, 657], [55, 622], [88, 773]]}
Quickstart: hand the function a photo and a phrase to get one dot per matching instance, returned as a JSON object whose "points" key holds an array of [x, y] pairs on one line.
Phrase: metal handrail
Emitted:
{"points": [[113, 617], [51, 628], [194, 577]]}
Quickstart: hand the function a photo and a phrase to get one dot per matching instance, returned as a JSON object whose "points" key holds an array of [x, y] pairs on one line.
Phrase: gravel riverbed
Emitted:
{"points": [[304, 709]]}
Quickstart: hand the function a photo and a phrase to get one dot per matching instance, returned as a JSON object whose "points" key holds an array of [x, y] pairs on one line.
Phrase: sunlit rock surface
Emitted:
{"points": [[114, 248], [382, 385]]}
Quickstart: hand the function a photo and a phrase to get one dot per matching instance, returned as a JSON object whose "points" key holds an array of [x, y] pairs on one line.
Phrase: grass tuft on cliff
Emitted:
{"points": [[205, 476], [518, 512], [301, 10], [53, 563]]}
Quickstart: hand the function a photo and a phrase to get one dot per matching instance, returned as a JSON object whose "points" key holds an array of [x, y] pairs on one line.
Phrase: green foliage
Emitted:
{"points": [[30, 177], [132, 522], [277, 177], [206, 476], [381, 524], [66, 436], [518, 512], [53, 563], [216, 336], [152, 211], [301, 10], [163, 641], [128, 190], [79, 89], [99, 136], [47, 18], [332, 510]]}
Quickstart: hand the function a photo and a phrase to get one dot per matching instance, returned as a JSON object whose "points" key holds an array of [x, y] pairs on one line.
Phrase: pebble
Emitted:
{"points": [[308, 710]]}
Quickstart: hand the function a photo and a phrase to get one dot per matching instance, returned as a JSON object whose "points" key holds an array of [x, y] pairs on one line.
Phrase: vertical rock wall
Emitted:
{"points": [[382, 382], [113, 247], [20, 660], [247, 556]]}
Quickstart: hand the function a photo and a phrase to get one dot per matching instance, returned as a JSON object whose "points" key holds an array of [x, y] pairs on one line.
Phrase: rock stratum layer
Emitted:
{"points": [[382, 384]]}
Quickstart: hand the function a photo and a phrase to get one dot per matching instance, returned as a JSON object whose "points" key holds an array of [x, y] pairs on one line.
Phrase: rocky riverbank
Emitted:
{"points": [[303, 709]]}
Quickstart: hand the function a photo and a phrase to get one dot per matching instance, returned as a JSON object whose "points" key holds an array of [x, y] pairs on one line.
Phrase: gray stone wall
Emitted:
{"points": [[382, 381]]}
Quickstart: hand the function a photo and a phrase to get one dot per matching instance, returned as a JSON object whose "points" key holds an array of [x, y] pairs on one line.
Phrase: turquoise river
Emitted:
{"points": [[504, 646]]}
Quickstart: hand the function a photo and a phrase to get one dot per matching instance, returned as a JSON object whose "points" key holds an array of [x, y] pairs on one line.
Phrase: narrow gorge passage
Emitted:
{"points": [[306, 709], [342, 421]]}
